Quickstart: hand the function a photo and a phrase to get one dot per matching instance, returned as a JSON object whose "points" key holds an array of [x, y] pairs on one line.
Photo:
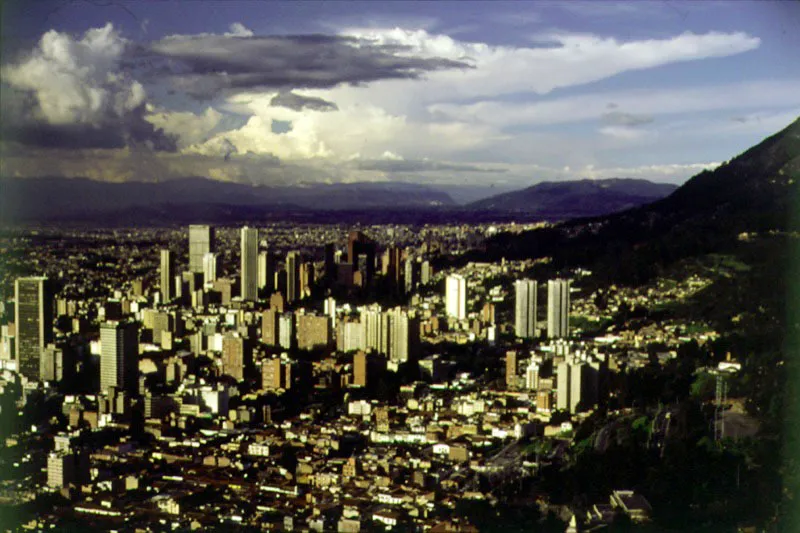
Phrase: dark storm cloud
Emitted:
{"points": [[298, 102], [205, 65], [620, 118], [22, 122], [401, 165]]}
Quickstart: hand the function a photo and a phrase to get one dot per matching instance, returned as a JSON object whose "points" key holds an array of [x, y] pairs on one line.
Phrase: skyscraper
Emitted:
{"points": [[210, 267], [456, 296], [525, 314], [249, 260], [403, 335], [292, 276], [119, 356], [557, 308], [266, 272], [201, 242], [34, 312], [167, 276]]}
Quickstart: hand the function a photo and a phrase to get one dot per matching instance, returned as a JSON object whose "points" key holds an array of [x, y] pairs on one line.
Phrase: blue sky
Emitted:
{"points": [[507, 93]]}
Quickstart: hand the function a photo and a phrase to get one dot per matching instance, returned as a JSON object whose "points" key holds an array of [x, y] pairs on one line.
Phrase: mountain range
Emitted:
{"points": [[755, 192], [180, 200], [580, 198]]}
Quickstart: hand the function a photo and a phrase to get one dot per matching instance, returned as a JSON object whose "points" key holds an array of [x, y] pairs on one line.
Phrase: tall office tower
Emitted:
{"points": [[563, 393], [286, 330], [34, 315], [426, 273], [235, 356], [329, 308], [119, 356], [269, 327], [313, 331], [410, 275], [249, 262], [167, 276], [359, 245], [558, 308], [292, 276], [201, 242], [532, 376], [525, 315], [330, 263], [306, 279], [266, 272], [403, 336], [373, 333], [456, 296], [210, 267], [511, 369]]}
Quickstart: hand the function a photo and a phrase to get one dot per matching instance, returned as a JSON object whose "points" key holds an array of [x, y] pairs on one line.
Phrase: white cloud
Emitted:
{"points": [[77, 81], [189, 128], [655, 102], [237, 29]]}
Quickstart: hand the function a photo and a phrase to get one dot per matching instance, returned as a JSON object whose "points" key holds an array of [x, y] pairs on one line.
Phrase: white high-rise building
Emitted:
{"points": [[525, 311], [119, 356], [201, 242], [330, 309], [456, 296], [249, 260], [532, 376], [558, 308], [210, 265]]}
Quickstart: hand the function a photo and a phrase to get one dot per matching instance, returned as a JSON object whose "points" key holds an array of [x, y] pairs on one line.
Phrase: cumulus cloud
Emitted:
{"points": [[72, 92], [207, 65]]}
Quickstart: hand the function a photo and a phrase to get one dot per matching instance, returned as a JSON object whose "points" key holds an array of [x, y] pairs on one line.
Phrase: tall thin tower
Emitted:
{"points": [[558, 308], [167, 276], [525, 311], [456, 296], [249, 258], [34, 311], [292, 276], [201, 242]]}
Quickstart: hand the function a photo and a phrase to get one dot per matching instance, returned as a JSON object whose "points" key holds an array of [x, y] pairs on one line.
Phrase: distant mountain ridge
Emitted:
{"points": [[578, 198], [59, 198], [756, 191]]}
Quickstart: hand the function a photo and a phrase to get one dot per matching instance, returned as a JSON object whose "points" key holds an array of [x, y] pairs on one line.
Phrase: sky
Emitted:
{"points": [[461, 93]]}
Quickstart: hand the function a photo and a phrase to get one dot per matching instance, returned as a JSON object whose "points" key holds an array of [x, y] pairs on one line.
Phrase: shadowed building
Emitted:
{"points": [[34, 321], [249, 264]]}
